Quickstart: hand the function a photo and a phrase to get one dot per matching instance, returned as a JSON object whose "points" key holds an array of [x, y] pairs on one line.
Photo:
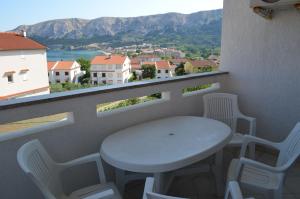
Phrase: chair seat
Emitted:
{"points": [[237, 139], [92, 190], [254, 177]]}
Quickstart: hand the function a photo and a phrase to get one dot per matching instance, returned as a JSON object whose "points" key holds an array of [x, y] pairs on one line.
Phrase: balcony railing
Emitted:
{"points": [[79, 126]]}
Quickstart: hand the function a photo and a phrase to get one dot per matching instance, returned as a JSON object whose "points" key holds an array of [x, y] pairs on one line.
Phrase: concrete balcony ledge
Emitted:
{"points": [[100, 90]]}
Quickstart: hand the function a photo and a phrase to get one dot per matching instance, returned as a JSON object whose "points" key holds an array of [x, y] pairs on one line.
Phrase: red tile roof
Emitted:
{"points": [[14, 41], [136, 66], [163, 64], [113, 59], [64, 65], [149, 63], [50, 64], [60, 65]]}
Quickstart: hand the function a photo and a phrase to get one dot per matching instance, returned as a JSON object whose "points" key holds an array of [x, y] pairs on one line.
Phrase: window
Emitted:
{"points": [[110, 75], [10, 78], [66, 73], [57, 73], [95, 83], [104, 82], [167, 71], [24, 76], [103, 74], [118, 67], [95, 74], [58, 81], [119, 75], [158, 77], [158, 71], [120, 82]]}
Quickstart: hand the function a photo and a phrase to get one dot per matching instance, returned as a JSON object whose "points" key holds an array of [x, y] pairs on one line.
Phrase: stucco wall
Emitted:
{"points": [[263, 58], [33, 60]]}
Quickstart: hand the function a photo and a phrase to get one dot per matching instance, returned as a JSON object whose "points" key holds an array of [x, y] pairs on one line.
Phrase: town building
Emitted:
{"points": [[148, 58], [214, 58], [196, 66], [164, 69], [64, 71], [110, 69], [136, 67], [178, 61], [23, 67]]}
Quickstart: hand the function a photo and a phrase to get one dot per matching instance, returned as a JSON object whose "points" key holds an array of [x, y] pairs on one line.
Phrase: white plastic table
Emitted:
{"points": [[165, 145]]}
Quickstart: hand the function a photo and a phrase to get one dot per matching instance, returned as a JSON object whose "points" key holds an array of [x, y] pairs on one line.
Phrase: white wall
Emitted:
{"points": [[111, 72], [34, 60], [263, 59], [163, 74], [71, 77]]}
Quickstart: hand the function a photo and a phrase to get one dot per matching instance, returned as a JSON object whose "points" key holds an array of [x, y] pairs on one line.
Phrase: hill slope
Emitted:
{"points": [[201, 28]]}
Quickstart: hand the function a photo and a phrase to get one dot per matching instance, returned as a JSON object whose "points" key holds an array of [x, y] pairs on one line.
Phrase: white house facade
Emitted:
{"points": [[23, 67], [64, 71], [112, 69], [164, 69]]}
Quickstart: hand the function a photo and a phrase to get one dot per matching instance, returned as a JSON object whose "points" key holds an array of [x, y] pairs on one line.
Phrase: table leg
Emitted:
{"points": [[163, 182], [120, 180], [219, 173]]}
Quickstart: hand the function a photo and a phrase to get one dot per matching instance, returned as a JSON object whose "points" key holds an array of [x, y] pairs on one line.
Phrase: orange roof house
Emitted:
{"points": [[163, 65], [196, 65], [107, 60], [15, 41], [51, 64]]}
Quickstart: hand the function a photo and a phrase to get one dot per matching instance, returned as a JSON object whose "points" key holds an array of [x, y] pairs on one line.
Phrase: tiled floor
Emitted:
{"points": [[202, 186]]}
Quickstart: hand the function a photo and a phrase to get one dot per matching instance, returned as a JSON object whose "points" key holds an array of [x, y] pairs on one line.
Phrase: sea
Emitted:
{"points": [[69, 55]]}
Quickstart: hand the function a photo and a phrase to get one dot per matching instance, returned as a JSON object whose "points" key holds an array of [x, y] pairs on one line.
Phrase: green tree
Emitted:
{"points": [[85, 66], [179, 70], [149, 71]]}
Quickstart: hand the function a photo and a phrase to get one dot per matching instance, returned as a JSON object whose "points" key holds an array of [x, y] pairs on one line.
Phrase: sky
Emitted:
{"points": [[19, 12]]}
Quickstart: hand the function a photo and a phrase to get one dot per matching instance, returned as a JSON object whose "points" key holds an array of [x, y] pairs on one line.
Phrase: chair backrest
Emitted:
{"points": [[222, 107], [35, 162], [233, 191], [290, 146], [149, 191]]}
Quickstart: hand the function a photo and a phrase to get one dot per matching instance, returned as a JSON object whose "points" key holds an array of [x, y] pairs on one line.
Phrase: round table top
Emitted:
{"points": [[165, 144]]}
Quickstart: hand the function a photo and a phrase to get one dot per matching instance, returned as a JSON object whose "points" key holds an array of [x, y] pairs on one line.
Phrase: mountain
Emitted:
{"points": [[201, 28]]}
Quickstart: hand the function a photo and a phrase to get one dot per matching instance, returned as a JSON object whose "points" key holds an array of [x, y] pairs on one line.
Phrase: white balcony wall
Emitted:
{"points": [[263, 59], [84, 133]]}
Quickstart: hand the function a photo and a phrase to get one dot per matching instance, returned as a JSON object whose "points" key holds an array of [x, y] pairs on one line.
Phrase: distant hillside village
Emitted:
{"points": [[25, 70]]}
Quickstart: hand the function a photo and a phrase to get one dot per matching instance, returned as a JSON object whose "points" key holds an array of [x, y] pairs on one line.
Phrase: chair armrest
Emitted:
{"points": [[107, 194], [252, 123], [233, 191], [251, 139], [87, 159], [259, 165], [82, 160]]}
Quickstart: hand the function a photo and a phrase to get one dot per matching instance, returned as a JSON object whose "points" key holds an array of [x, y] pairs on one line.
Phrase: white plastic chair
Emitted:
{"points": [[262, 176], [224, 107], [45, 172], [233, 191], [149, 192]]}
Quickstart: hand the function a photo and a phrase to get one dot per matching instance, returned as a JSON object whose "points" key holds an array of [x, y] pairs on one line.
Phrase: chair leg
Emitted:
{"points": [[219, 173], [277, 194], [252, 151]]}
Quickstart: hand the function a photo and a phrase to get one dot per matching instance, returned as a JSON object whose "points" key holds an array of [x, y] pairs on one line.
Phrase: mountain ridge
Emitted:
{"points": [[201, 28]]}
